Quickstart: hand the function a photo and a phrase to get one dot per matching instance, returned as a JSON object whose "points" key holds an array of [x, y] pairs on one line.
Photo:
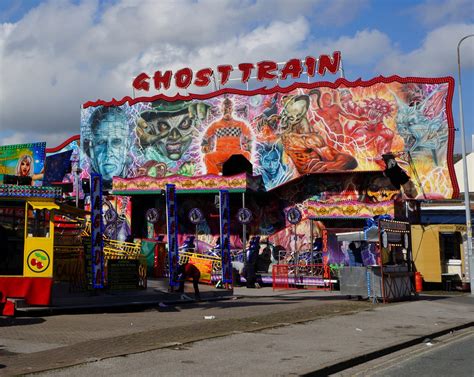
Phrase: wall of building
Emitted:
{"points": [[458, 168], [426, 255], [426, 249]]}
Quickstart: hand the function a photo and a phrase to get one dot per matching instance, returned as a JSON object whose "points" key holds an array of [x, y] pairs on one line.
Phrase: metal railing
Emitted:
{"points": [[308, 276]]}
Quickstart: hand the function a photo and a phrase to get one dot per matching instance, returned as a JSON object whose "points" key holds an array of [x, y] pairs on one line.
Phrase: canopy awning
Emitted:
{"points": [[70, 210], [348, 209], [200, 184], [371, 235], [43, 204]]}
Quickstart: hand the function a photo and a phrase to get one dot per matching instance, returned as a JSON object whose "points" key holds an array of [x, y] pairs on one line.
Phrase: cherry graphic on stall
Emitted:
{"points": [[38, 261]]}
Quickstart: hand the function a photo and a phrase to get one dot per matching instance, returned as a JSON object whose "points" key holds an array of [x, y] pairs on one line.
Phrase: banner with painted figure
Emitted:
{"points": [[224, 216], [23, 160], [172, 231], [117, 217], [285, 133], [57, 167], [97, 232], [68, 147]]}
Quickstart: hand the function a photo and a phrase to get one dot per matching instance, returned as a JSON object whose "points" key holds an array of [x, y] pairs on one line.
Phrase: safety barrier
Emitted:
{"points": [[69, 267], [114, 249], [184, 257], [86, 232], [208, 265], [280, 276], [305, 276]]}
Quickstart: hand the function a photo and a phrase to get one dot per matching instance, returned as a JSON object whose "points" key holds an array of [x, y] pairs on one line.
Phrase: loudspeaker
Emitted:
{"points": [[394, 172], [65, 186]]}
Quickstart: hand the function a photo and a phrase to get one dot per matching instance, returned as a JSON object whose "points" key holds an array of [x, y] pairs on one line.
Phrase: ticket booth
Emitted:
{"points": [[27, 242], [39, 239]]}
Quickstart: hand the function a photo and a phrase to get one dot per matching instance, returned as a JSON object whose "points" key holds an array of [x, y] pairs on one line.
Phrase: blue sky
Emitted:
{"points": [[57, 54]]}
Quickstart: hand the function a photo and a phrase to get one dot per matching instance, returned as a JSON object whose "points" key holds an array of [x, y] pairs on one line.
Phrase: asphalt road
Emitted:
{"points": [[450, 355], [305, 348], [284, 333], [31, 344]]}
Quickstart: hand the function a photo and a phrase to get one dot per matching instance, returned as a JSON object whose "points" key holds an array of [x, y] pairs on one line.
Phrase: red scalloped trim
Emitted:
{"points": [[62, 145], [451, 129], [333, 85]]}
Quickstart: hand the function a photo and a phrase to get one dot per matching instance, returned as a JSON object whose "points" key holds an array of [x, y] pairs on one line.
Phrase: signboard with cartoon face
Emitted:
{"points": [[23, 160]]}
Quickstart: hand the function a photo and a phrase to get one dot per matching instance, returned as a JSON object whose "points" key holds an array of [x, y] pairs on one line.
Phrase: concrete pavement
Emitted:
{"points": [[331, 332], [64, 301]]}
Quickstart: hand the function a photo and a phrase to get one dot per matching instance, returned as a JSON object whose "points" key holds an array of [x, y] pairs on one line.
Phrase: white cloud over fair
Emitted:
{"points": [[63, 53]]}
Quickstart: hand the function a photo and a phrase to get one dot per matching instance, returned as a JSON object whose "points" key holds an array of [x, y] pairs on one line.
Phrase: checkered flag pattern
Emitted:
{"points": [[231, 131]]}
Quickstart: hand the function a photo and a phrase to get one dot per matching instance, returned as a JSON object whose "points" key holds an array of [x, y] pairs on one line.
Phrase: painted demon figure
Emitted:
{"points": [[303, 142], [370, 132], [422, 125]]}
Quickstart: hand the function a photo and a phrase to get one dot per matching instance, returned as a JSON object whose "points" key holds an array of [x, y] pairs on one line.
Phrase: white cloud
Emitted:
{"points": [[52, 140], [444, 11], [436, 56], [64, 53], [363, 48], [16, 138]]}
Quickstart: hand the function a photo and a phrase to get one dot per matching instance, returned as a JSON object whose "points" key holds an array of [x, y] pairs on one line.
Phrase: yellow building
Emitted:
{"points": [[439, 244]]}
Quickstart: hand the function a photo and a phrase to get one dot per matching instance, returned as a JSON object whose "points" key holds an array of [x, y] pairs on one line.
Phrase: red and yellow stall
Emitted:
{"points": [[26, 244]]}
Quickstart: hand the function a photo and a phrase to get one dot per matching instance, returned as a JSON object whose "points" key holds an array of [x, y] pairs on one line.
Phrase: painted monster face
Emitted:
{"points": [[174, 134], [294, 112], [326, 100]]}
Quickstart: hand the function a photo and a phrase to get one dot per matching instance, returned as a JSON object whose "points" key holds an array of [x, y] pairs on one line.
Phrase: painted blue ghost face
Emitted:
{"points": [[271, 162], [109, 146]]}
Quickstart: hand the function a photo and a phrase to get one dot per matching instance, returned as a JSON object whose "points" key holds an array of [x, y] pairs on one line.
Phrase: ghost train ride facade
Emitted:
{"points": [[317, 147]]}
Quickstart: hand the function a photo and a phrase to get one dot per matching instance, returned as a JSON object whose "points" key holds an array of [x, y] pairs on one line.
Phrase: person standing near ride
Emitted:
{"points": [[189, 271], [251, 265]]}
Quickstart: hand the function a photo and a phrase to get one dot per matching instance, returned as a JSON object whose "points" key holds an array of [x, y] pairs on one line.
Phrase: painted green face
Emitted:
{"points": [[293, 114], [175, 134]]}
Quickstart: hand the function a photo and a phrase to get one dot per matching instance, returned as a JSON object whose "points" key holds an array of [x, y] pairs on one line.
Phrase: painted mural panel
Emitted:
{"points": [[285, 133], [23, 160], [117, 217], [71, 146]]}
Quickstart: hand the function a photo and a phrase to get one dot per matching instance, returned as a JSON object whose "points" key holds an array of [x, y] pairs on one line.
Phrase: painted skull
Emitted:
{"points": [[176, 135]]}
